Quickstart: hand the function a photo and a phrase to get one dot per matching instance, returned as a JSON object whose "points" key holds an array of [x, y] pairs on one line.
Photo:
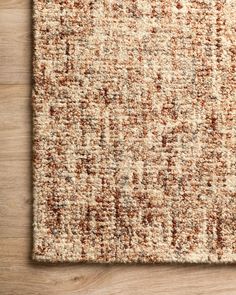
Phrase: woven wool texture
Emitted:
{"points": [[134, 130]]}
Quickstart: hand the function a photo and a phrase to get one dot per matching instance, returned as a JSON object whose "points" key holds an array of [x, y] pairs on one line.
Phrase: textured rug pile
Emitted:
{"points": [[134, 130]]}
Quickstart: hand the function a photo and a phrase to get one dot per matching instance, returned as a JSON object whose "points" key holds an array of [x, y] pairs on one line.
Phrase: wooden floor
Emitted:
{"points": [[18, 274]]}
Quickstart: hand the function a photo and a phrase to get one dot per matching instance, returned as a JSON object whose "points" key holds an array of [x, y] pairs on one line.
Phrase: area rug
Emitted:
{"points": [[134, 131]]}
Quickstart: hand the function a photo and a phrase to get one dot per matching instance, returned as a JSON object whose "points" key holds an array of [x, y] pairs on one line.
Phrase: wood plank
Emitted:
{"points": [[13, 17], [15, 172], [15, 122], [11, 91], [27, 277], [15, 4], [16, 199], [15, 46]]}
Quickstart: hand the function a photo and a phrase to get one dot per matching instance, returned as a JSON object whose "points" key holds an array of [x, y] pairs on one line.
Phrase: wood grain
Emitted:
{"points": [[15, 4], [15, 44], [18, 274]]}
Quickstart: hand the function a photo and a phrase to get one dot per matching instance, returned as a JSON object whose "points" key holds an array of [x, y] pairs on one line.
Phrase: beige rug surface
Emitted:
{"points": [[134, 130]]}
